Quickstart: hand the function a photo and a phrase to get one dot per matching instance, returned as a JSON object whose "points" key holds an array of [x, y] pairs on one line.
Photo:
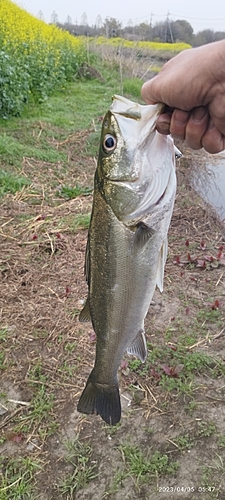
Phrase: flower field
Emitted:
{"points": [[154, 46], [35, 58]]}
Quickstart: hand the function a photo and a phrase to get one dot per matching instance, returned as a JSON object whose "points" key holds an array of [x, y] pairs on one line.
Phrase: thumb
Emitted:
{"points": [[150, 91], [217, 112]]}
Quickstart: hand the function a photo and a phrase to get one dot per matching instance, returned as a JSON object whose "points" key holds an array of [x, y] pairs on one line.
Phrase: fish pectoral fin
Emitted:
{"points": [[141, 236], [161, 265], [104, 400], [139, 347], [85, 314]]}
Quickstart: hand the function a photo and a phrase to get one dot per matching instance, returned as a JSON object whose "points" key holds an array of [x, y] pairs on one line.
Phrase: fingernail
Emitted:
{"points": [[198, 114], [163, 126], [180, 117]]}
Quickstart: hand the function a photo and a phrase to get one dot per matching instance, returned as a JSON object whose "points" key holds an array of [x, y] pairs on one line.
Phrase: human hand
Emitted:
{"points": [[192, 86]]}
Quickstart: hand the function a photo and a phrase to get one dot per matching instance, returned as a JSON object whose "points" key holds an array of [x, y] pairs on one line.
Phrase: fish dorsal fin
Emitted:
{"points": [[141, 236], [85, 314], [161, 265], [139, 347]]}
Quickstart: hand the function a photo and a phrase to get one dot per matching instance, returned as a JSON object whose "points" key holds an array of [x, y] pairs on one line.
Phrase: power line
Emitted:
{"points": [[199, 18], [180, 16]]}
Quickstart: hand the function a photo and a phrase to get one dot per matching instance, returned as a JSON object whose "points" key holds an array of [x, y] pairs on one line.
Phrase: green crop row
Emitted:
{"points": [[35, 58]]}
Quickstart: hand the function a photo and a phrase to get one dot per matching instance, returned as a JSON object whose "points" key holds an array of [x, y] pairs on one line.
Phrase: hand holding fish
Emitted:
{"points": [[192, 86]]}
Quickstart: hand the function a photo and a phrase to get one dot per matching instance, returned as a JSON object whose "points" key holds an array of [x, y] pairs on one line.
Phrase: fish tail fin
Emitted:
{"points": [[101, 399]]}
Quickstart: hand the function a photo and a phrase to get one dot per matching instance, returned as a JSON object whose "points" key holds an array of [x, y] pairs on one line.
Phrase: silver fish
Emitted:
{"points": [[134, 192]]}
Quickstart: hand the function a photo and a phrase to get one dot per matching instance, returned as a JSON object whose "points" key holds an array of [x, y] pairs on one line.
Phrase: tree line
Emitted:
{"points": [[164, 31]]}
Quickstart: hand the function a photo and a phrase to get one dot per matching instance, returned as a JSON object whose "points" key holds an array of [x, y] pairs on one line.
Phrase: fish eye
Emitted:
{"points": [[109, 143]]}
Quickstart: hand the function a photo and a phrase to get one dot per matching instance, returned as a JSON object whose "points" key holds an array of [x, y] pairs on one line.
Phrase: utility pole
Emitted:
{"points": [[151, 19], [168, 29], [150, 27]]}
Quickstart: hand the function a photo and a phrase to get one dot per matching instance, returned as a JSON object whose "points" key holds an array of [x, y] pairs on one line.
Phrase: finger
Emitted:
{"points": [[179, 120], [196, 127], [163, 123], [213, 141], [150, 91], [216, 111]]}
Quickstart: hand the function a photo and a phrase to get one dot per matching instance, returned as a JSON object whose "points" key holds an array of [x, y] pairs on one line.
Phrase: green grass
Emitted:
{"points": [[79, 221], [13, 150], [82, 470], [10, 183], [184, 442], [206, 429], [143, 466], [189, 364], [38, 415], [4, 333], [72, 192], [17, 477], [221, 441], [132, 87], [3, 365], [211, 478]]}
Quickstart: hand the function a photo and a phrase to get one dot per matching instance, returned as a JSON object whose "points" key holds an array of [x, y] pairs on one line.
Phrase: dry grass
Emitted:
{"points": [[48, 354]]}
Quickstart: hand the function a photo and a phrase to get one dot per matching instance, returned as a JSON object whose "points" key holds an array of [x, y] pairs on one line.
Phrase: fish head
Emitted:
{"points": [[135, 161], [115, 157]]}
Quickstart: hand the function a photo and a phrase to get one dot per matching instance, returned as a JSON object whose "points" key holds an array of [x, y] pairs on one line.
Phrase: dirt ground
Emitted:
{"points": [[47, 355]]}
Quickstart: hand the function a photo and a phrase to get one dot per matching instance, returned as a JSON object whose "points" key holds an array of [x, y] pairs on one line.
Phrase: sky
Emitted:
{"points": [[201, 14]]}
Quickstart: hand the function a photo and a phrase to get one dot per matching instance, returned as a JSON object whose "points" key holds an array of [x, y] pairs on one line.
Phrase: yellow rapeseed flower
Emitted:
{"points": [[174, 47], [34, 57]]}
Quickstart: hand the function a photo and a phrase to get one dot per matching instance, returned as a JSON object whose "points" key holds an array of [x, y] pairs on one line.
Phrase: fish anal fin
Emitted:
{"points": [[139, 347], [141, 236], [104, 400], [85, 314]]}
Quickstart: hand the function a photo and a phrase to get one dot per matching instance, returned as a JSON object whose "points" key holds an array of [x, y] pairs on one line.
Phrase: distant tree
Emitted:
{"points": [[219, 35], [144, 31], [128, 31], [84, 20], [182, 31], [68, 20], [203, 37], [98, 22], [40, 15], [159, 30], [112, 27], [54, 18]]}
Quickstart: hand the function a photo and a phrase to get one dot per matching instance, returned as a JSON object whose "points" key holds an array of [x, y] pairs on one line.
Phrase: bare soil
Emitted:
{"points": [[46, 348]]}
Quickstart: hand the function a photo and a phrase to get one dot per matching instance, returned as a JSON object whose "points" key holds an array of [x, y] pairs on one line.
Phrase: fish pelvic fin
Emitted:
{"points": [[104, 400], [139, 347], [85, 314]]}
